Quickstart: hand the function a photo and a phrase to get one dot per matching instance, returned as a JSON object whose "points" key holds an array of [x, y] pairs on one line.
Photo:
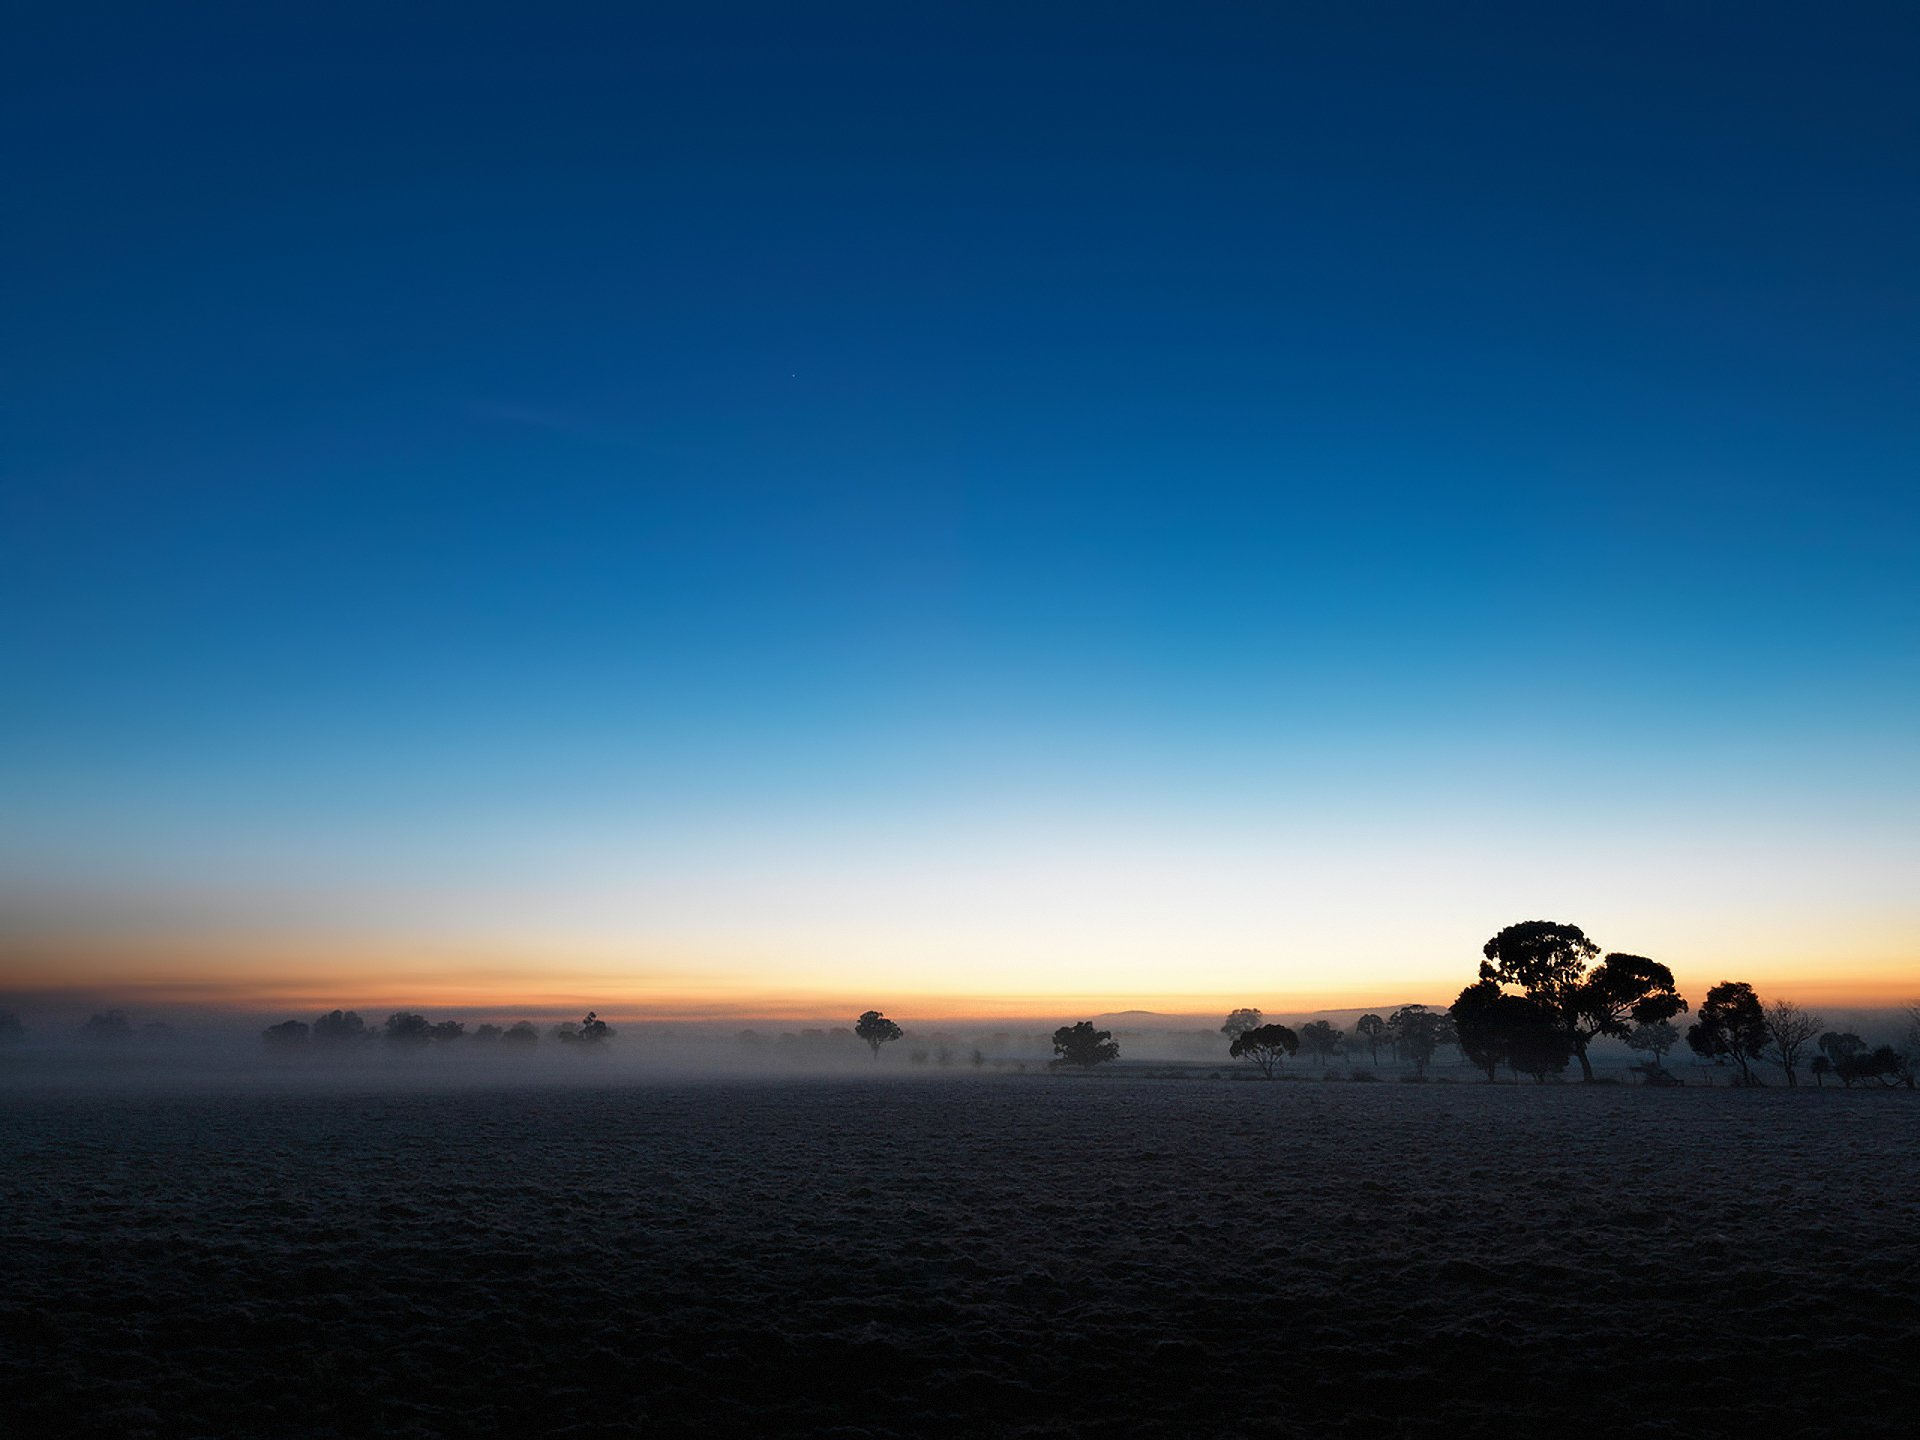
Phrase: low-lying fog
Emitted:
{"points": [[116, 1047]]}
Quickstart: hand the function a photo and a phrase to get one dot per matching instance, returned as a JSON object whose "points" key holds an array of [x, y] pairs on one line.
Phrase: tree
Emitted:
{"points": [[487, 1033], [1838, 1045], [521, 1032], [111, 1025], [590, 1031], [1545, 958], [1548, 960], [1537, 1041], [1495, 1028], [406, 1028], [1821, 1067], [1083, 1045], [337, 1026], [1265, 1045], [1241, 1021], [1318, 1037], [1732, 1026], [876, 1030], [1371, 1028], [1883, 1065], [287, 1035], [448, 1030], [1654, 1039], [1477, 1021], [1621, 989], [1789, 1028], [1416, 1030]]}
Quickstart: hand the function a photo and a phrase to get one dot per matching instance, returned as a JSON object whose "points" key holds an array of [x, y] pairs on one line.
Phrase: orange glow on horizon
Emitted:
{"points": [[284, 975]]}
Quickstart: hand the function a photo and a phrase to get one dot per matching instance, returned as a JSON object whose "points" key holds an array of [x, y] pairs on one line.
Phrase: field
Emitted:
{"points": [[998, 1256]]}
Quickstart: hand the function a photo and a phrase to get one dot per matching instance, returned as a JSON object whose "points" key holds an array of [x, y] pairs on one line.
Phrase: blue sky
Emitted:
{"points": [[460, 468]]}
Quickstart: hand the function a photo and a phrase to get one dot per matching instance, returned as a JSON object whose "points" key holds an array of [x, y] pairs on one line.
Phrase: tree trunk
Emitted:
{"points": [[1586, 1065]]}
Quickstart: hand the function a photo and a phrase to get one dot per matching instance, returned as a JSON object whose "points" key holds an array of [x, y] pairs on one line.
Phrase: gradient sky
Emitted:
{"points": [[737, 504]]}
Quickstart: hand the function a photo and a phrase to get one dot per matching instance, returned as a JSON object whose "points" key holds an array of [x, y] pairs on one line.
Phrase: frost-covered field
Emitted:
{"points": [[997, 1256]]}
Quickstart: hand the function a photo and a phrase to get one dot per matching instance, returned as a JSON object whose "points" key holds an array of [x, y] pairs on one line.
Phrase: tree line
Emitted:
{"points": [[339, 1028]]}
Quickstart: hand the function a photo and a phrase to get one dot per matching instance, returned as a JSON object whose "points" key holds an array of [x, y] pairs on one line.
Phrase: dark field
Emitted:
{"points": [[1031, 1256]]}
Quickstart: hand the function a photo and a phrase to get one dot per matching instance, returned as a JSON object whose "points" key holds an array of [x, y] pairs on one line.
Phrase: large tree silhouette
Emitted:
{"points": [[1548, 959], [1266, 1045], [1417, 1031], [1731, 1026]]}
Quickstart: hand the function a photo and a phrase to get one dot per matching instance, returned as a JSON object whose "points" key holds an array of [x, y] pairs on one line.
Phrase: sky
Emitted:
{"points": [[723, 507]]}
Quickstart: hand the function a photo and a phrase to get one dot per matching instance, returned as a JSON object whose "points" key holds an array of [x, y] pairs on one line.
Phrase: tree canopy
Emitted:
{"points": [[1083, 1045], [1241, 1021], [1731, 1026], [1548, 960], [1265, 1045], [876, 1030]]}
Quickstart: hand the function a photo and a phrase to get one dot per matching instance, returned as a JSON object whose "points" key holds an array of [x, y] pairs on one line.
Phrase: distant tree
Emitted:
{"points": [[337, 1026], [1265, 1045], [1416, 1030], [287, 1035], [406, 1028], [521, 1032], [1322, 1038], [590, 1031], [566, 1031], [1882, 1065], [487, 1032], [1083, 1045], [1789, 1030], [448, 1030], [876, 1030], [110, 1025], [1371, 1029], [1241, 1021], [1654, 1039], [11, 1030], [1732, 1026], [1821, 1067], [1838, 1045]]}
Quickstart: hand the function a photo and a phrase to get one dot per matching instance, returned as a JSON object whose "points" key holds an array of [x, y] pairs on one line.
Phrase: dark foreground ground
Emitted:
{"points": [[1011, 1257]]}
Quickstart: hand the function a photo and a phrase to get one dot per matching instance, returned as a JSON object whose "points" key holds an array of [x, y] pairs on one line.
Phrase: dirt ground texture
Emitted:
{"points": [[1031, 1256]]}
